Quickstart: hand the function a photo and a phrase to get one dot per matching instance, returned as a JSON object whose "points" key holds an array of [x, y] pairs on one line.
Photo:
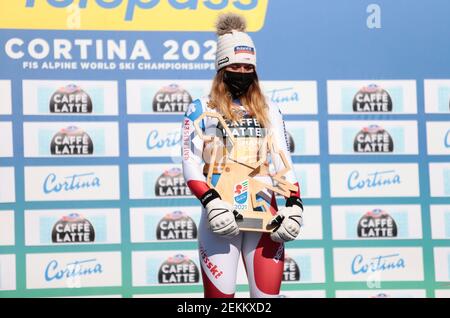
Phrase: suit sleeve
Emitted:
{"points": [[281, 138], [192, 150]]}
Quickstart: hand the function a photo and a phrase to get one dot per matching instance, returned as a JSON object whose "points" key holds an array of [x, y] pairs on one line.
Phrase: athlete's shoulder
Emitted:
{"points": [[196, 108], [273, 107], [275, 111]]}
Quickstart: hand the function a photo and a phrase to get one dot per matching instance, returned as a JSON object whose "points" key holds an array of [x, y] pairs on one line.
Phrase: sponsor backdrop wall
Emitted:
{"points": [[92, 93]]}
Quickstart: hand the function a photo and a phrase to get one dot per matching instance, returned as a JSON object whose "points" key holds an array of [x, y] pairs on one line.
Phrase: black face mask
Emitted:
{"points": [[237, 82]]}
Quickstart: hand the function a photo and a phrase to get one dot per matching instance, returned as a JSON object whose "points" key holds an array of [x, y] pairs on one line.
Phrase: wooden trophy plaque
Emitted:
{"points": [[236, 184]]}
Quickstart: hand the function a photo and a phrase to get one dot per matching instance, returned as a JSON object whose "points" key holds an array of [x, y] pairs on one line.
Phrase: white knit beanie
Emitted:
{"points": [[233, 44]]}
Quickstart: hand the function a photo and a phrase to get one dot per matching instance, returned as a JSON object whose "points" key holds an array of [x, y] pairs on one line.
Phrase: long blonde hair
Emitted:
{"points": [[254, 101]]}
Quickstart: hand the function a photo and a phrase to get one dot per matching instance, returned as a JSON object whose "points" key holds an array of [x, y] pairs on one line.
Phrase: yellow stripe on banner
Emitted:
{"points": [[131, 15]]}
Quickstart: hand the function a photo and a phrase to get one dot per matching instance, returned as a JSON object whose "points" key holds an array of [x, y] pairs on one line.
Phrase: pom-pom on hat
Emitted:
{"points": [[233, 44]]}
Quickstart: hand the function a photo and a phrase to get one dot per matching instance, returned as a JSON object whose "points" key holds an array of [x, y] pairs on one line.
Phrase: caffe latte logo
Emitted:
{"points": [[70, 99], [171, 183], [178, 269], [291, 271], [291, 142], [373, 139], [171, 99], [373, 99], [176, 226], [71, 141], [73, 228], [377, 223]]}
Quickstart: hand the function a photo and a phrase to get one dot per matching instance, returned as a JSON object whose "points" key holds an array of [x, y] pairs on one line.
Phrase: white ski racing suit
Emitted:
{"points": [[263, 258]]}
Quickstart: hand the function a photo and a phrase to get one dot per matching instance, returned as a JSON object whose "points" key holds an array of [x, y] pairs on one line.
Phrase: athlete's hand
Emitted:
{"points": [[221, 215], [289, 220], [222, 218]]}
